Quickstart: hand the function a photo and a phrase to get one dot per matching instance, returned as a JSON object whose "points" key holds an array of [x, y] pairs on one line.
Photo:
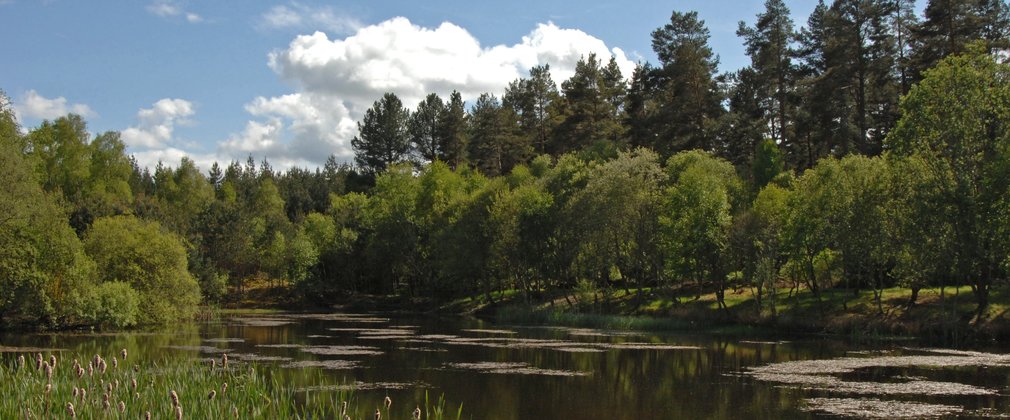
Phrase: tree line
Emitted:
{"points": [[805, 169]]}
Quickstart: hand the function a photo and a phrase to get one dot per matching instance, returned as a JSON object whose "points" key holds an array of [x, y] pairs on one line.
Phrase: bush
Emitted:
{"points": [[113, 305], [151, 261]]}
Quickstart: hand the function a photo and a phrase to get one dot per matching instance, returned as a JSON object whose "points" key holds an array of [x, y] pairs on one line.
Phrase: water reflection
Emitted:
{"points": [[507, 372]]}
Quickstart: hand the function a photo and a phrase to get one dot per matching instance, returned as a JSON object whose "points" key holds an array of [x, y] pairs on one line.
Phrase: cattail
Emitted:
{"points": [[80, 372], [234, 411], [346, 417], [70, 410], [115, 362], [147, 415], [117, 383], [212, 394], [213, 363], [38, 361], [21, 361], [108, 387], [84, 394], [105, 405], [387, 402], [76, 365], [224, 360], [224, 388], [378, 414], [52, 360], [123, 354], [133, 383], [76, 392], [136, 368], [417, 413], [49, 387], [91, 369], [175, 398], [102, 366], [178, 412], [49, 370], [122, 407], [136, 395]]}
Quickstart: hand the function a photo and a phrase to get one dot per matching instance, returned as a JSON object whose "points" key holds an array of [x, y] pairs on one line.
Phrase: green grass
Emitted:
{"points": [[251, 393], [837, 310]]}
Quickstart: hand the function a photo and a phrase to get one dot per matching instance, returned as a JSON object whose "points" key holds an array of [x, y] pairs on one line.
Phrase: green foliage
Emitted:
{"points": [[955, 121], [150, 260], [768, 163], [698, 217], [44, 272], [112, 304]]}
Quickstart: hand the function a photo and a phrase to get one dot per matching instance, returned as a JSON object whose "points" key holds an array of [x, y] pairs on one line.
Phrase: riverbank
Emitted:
{"points": [[946, 316]]}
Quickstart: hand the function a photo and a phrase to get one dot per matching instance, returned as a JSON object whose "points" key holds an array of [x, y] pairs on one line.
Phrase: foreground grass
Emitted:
{"points": [[121, 387]]}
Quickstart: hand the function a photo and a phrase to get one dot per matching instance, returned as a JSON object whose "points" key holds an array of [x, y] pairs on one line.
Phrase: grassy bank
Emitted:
{"points": [[61, 385], [942, 316]]}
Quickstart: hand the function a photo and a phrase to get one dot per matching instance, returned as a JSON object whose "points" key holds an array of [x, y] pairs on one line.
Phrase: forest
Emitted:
{"points": [[865, 149]]}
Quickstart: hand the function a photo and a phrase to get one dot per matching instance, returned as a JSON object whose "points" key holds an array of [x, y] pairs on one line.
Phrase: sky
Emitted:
{"points": [[288, 80]]}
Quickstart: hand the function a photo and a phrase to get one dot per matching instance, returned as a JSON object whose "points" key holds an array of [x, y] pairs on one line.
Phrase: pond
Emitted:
{"points": [[511, 372]]}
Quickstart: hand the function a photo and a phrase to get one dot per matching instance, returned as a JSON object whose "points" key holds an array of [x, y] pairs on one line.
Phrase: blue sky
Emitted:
{"points": [[288, 79]]}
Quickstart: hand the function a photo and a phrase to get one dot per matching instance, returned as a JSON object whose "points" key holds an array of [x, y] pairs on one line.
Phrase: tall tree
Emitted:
{"points": [[533, 100], [769, 45], [590, 107], [956, 121], [949, 25], [494, 145], [688, 93], [452, 132], [423, 128], [382, 137]]}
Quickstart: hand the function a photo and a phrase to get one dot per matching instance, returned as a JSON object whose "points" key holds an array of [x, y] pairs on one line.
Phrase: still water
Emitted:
{"points": [[511, 372]]}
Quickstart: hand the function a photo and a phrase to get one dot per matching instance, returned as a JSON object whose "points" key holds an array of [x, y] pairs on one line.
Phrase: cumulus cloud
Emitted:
{"points": [[33, 105], [155, 125], [337, 79], [170, 9], [153, 138], [299, 16]]}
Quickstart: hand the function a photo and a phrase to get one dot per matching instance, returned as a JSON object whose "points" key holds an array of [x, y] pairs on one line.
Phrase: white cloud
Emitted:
{"points": [[170, 9], [33, 105], [300, 16], [338, 79], [155, 125]]}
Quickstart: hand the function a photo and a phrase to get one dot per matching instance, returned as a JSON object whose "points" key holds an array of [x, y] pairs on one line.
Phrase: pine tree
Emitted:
{"points": [[687, 92], [495, 146], [949, 25], [590, 106], [423, 128], [452, 132], [769, 45], [383, 138]]}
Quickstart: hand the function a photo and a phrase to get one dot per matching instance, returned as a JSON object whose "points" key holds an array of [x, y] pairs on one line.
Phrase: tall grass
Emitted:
{"points": [[166, 389]]}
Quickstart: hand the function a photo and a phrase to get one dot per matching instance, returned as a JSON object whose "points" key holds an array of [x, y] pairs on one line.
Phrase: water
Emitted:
{"points": [[509, 372]]}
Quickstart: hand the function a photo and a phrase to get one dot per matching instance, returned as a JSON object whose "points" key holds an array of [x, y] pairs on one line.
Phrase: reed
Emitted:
{"points": [[169, 388]]}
